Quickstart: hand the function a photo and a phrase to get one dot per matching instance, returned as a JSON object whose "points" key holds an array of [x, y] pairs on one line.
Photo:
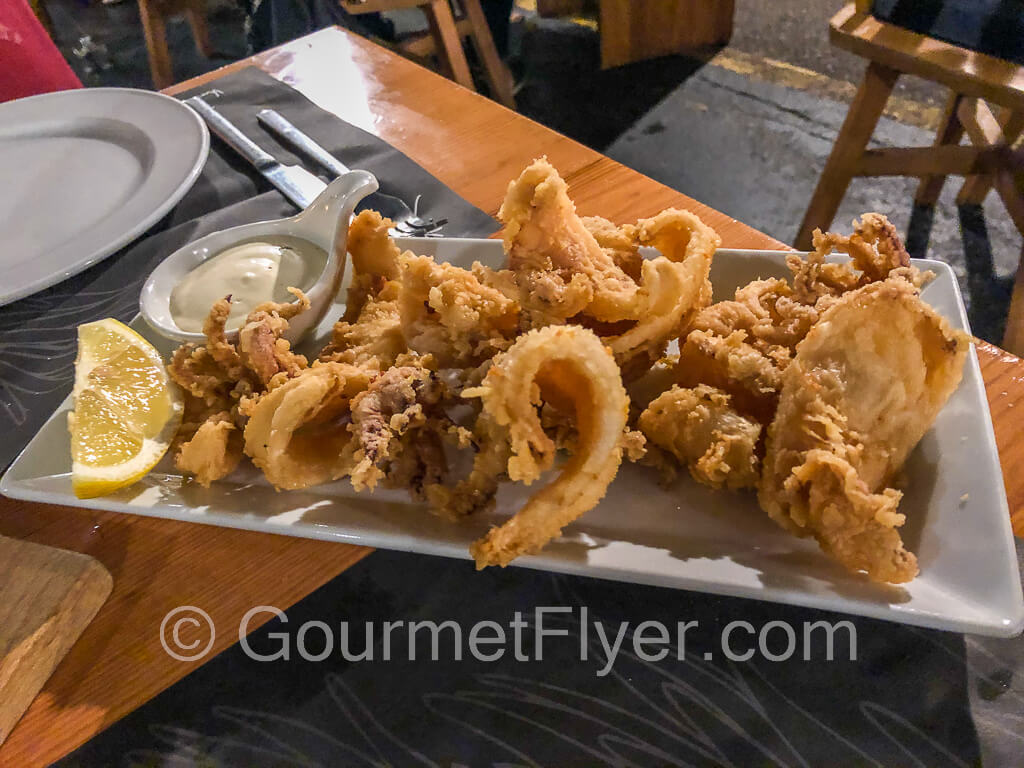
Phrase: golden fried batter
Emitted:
{"points": [[732, 365], [569, 368], [700, 428], [743, 346], [396, 405], [590, 272], [260, 346], [374, 260], [448, 312], [374, 338], [865, 385], [222, 375], [213, 451], [297, 433]]}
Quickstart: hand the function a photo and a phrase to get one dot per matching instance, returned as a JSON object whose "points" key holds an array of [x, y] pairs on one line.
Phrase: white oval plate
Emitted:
{"points": [[85, 173], [685, 536]]}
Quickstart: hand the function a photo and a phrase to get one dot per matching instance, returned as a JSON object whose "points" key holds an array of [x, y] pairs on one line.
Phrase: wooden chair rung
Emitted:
{"points": [[976, 188], [945, 160]]}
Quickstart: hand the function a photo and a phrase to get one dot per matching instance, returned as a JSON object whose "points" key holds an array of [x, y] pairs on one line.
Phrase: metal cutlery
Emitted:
{"points": [[296, 183], [407, 220]]}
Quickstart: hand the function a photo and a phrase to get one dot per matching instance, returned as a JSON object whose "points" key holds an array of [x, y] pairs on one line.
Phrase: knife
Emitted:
{"points": [[296, 183], [389, 206], [279, 125]]}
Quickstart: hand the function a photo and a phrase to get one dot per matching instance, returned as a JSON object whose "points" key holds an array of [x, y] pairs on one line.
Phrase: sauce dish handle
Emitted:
{"points": [[331, 211]]}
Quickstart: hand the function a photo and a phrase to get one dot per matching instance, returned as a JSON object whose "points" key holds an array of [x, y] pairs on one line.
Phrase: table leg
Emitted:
{"points": [[853, 137], [195, 12], [154, 27], [498, 76], [449, 44]]}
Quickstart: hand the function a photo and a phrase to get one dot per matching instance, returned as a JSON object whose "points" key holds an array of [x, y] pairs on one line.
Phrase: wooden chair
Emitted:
{"points": [[445, 40], [154, 15], [974, 80]]}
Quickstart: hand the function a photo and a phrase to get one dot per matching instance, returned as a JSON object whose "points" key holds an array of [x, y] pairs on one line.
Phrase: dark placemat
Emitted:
{"points": [[911, 697], [37, 333]]}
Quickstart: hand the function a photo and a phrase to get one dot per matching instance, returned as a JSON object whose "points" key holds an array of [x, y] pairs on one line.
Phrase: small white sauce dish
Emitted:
{"points": [[324, 224]]}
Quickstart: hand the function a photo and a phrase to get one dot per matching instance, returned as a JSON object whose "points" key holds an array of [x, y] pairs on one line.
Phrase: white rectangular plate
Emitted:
{"points": [[685, 536]]}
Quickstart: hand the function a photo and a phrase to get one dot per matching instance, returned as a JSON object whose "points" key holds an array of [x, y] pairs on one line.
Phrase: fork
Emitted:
{"points": [[407, 221]]}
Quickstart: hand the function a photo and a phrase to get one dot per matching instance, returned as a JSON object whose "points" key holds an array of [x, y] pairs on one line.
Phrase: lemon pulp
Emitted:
{"points": [[127, 410]]}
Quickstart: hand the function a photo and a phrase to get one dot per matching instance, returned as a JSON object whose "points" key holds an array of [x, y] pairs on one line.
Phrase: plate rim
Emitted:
{"points": [[131, 233]]}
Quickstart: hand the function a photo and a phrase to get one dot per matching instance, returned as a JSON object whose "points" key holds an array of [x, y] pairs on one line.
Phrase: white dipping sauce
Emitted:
{"points": [[251, 273]]}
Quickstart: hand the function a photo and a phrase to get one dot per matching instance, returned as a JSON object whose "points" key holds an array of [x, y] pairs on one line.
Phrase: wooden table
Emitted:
{"points": [[473, 145]]}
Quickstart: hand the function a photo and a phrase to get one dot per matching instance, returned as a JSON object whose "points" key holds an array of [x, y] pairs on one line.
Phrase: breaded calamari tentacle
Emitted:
{"points": [[193, 368], [374, 260], [220, 349], [260, 346], [395, 405], [569, 368]]}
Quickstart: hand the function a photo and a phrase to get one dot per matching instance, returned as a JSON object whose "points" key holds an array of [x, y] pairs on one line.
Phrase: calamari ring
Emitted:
{"points": [[297, 433], [568, 367]]}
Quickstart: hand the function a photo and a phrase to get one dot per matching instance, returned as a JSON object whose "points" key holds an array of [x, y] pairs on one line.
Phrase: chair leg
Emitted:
{"points": [[498, 76], [1013, 338], [975, 188], [195, 12], [449, 44], [853, 137], [951, 130], [155, 30]]}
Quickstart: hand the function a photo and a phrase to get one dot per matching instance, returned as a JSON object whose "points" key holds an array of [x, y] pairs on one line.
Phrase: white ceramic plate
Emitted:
{"points": [[686, 536], [85, 173]]}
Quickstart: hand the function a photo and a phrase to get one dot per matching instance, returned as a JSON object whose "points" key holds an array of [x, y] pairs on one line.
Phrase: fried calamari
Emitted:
{"points": [[743, 346], [865, 385], [392, 424], [297, 432], [430, 363], [221, 376], [591, 273], [213, 451], [570, 369], [700, 429], [448, 312]]}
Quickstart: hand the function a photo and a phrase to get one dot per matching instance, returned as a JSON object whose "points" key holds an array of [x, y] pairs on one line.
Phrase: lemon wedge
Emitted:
{"points": [[127, 410]]}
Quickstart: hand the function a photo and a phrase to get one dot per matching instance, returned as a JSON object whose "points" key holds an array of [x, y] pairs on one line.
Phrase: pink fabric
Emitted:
{"points": [[29, 61]]}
